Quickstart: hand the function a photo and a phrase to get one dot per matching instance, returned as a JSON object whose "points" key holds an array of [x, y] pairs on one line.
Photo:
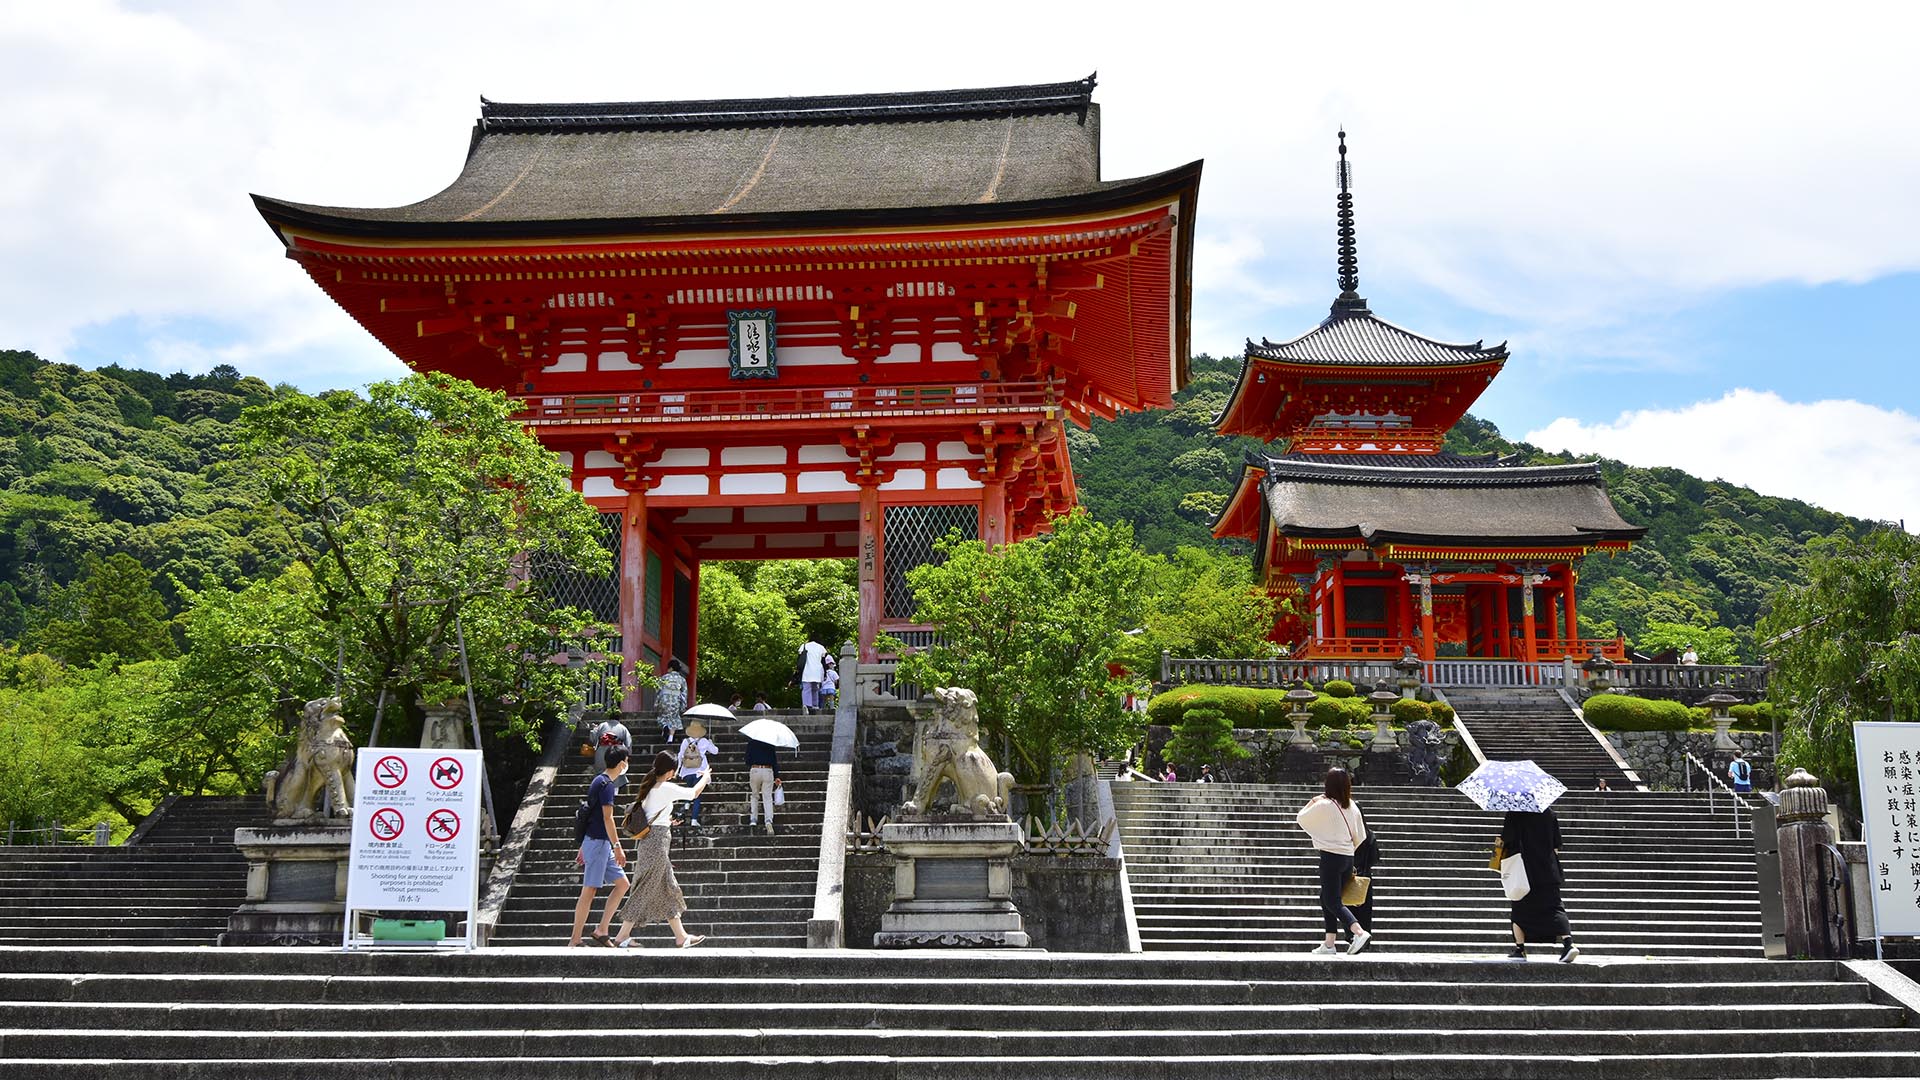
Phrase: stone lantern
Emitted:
{"points": [[1598, 670], [1382, 699], [1720, 702], [1300, 701], [1410, 668]]}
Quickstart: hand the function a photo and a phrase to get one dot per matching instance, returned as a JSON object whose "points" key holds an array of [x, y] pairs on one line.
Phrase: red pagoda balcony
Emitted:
{"points": [[1353, 648], [828, 404]]}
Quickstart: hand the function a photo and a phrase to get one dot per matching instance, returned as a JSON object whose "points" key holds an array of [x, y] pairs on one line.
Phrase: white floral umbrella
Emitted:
{"points": [[1512, 785]]}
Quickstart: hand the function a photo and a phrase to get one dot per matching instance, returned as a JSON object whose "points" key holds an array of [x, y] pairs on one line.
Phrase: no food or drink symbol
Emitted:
{"points": [[446, 774], [390, 772], [386, 824], [443, 825]]}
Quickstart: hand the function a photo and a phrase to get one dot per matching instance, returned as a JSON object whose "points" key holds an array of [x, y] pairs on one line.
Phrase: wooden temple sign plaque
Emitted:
{"points": [[750, 346]]}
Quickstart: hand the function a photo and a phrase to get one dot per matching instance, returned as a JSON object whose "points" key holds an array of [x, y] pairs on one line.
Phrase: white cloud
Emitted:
{"points": [[1843, 455], [1561, 168]]}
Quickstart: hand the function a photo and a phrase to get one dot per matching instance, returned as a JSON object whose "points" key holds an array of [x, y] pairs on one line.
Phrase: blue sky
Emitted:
{"points": [[1695, 224]]}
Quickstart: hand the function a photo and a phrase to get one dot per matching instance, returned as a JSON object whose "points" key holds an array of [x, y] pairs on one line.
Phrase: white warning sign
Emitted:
{"points": [[414, 847], [1889, 760]]}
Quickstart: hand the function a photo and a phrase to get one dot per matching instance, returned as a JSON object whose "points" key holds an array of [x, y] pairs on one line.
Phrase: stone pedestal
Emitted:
{"points": [[1817, 924], [952, 883], [296, 884]]}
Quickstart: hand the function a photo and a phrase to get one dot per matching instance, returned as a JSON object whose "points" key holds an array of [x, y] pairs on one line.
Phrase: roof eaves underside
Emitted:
{"points": [[1233, 519]]}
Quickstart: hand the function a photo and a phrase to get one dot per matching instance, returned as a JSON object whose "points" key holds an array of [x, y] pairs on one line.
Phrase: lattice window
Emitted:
{"points": [[910, 535], [599, 594], [650, 606]]}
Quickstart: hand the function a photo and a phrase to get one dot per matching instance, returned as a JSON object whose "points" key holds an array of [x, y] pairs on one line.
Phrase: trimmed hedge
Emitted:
{"points": [[1247, 707], [1408, 710], [1338, 688], [1618, 712]]}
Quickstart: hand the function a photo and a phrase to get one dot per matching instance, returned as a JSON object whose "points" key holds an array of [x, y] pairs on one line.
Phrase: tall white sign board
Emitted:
{"points": [[416, 834], [1889, 759]]}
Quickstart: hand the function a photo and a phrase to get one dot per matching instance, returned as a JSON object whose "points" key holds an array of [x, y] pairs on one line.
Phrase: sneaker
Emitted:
{"points": [[1359, 942], [1519, 953], [1569, 952], [769, 830], [1326, 950], [694, 824]]}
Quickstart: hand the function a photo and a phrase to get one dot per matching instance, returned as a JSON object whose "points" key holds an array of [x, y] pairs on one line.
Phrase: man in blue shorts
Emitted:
{"points": [[601, 860]]}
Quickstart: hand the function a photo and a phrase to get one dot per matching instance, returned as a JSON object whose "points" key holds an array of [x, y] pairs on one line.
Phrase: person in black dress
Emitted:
{"points": [[1540, 915]]}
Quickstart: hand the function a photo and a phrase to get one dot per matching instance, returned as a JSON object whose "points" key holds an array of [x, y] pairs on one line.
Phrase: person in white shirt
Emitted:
{"points": [[830, 686], [1333, 822], [695, 749], [760, 704], [813, 670], [656, 895], [1689, 658]]}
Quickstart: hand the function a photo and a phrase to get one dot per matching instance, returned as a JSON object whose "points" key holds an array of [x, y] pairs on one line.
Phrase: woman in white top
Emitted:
{"points": [[655, 896], [1332, 820]]}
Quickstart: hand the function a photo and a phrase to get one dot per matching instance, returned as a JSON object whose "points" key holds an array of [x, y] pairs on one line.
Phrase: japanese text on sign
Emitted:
{"points": [[1889, 759], [415, 848]]}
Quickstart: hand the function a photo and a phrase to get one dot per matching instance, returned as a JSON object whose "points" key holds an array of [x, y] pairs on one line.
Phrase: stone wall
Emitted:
{"points": [[1659, 756], [882, 761], [1068, 903]]}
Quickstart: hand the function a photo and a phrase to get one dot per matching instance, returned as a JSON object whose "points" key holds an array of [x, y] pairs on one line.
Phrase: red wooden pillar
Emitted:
{"points": [[1429, 648], [1529, 648], [1504, 614], [690, 652], [1573, 620], [1339, 585], [993, 513], [1403, 610], [871, 536], [633, 595]]}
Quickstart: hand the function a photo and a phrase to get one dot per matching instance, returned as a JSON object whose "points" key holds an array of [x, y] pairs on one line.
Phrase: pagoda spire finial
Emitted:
{"points": [[1349, 298]]}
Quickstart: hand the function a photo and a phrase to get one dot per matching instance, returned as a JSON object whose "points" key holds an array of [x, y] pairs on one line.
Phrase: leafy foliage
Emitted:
{"points": [[110, 610], [749, 637], [1845, 649], [1032, 628], [1204, 736], [1618, 712]]}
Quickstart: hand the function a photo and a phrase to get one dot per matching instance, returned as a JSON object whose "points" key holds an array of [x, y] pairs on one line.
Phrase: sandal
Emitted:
{"points": [[601, 940], [692, 940]]}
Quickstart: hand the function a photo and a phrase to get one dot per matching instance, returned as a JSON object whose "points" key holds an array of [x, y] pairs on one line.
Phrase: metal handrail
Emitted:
{"points": [[1713, 782]]}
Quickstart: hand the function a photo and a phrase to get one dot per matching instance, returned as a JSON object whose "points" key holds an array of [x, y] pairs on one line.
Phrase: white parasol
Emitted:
{"points": [[709, 711], [772, 732]]}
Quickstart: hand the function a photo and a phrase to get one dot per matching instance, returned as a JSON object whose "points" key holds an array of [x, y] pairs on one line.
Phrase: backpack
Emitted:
{"points": [[581, 814]]}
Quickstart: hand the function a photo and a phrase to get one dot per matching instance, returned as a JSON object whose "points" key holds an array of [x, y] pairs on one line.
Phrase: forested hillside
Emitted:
{"points": [[1714, 553]]}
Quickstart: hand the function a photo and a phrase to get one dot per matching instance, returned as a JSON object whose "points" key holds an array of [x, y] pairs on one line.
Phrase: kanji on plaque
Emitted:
{"points": [[750, 345]]}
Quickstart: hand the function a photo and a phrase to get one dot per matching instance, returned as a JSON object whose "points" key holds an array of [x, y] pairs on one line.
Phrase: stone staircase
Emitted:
{"points": [[742, 889], [1513, 723], [1224, 866], [175, 886], [537, 1013]]}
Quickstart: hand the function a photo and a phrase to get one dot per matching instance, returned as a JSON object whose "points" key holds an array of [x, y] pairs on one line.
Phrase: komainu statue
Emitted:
{"points": [[1424, 741], [322, 762], [948, 748]]}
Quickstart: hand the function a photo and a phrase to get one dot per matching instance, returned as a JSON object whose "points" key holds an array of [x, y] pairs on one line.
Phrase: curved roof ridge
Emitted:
{"points": [[900, 106], [1583, 472]]}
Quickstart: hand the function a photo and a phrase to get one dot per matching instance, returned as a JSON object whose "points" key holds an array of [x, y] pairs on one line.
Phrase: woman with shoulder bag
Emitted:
{"points": [[655, 895], [1540, 913], [1333, 821]]}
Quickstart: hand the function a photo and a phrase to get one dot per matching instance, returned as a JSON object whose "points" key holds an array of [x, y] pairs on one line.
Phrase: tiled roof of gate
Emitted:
{"points": [[1448, 505], [605, 166]]}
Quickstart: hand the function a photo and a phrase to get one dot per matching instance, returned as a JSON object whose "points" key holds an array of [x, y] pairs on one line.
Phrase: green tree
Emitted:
{"points": [[1034, 630], [1201, 602], [1845, 649], [1203, 736], [1712, 644], [110, 610], [823, 593], [749, 638], [418, 513]]}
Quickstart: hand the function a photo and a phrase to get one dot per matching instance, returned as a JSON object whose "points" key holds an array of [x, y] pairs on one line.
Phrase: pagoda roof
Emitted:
{"points": [[1353, 336], [1478, 505], [608, 168]]}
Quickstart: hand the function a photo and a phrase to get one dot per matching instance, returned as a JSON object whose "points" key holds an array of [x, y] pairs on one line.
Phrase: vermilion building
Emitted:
{"points": [[1381, 540], [785, 328]]}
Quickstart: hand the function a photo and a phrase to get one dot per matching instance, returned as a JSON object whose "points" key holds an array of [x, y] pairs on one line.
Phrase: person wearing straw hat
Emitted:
{"points": [[695, 749]]}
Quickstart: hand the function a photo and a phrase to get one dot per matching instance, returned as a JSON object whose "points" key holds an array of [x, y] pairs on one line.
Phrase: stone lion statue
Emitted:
{"points": [[1424, 741], [322, 761], [948, 748]]}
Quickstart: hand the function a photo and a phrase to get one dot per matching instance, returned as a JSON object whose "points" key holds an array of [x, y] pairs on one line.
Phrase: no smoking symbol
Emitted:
{"points": [[386, 824], [390, 772], [443, 825], [445, 774]]}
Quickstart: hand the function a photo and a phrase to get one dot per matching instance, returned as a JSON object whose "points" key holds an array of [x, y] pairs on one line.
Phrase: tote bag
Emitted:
{"points": [[1513, 878], [780, 796]]}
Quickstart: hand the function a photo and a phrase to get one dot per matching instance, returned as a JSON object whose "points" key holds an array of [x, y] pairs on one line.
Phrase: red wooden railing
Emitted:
{"points": [[1613, 648], [768, 402], [1350, 648]]}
